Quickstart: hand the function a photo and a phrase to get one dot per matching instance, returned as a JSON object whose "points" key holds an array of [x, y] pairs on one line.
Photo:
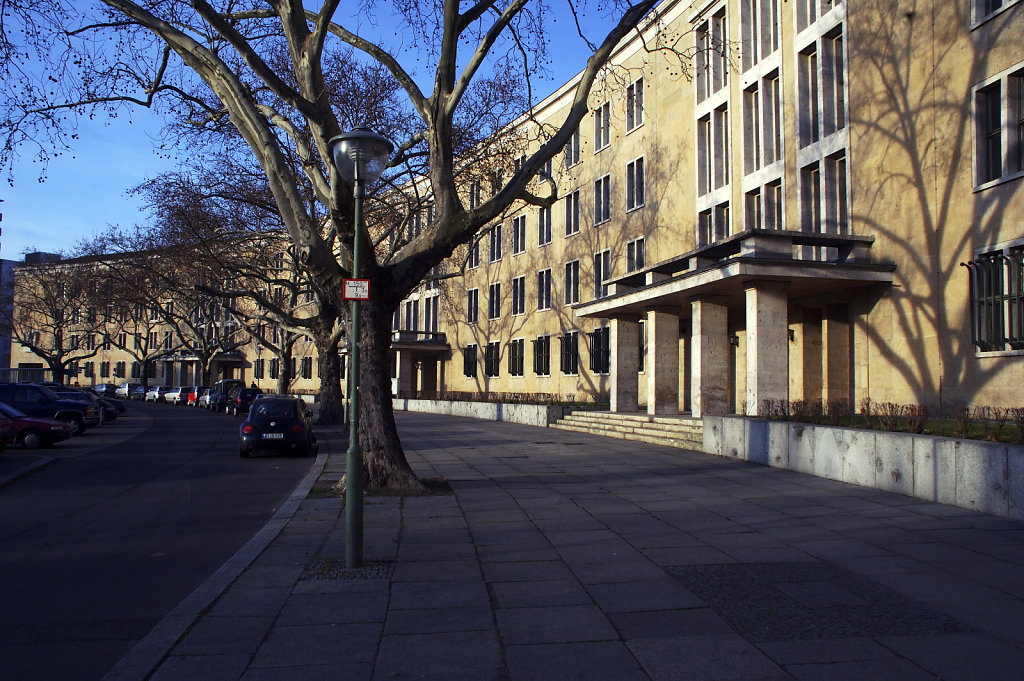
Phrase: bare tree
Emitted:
{"points": [[261, 70]]}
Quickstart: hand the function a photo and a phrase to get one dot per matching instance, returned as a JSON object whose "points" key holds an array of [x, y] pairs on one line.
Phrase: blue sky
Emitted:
{"points": [[86, 191]]}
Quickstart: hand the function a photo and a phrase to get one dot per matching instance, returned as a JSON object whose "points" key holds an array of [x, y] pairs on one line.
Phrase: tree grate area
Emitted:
{"points": [[771, 602], [330, 568]]}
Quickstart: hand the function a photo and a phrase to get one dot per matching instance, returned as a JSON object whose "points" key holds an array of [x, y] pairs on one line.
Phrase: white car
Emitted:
{"points": [[156, 393], [178, 394], [124, 391]]}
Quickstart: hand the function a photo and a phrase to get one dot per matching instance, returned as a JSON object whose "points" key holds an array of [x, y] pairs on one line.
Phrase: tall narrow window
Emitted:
{"points": [[472, 305], [412, 315], [494, 300], [750, 19], [542, 356], [602, 126], [810, 198], [635, 104], [602, 271], [431, 313], [703, 155], [702, 76], [720, 52], [474, 194], [720, 157], [572, 149], [570, 354], [544, 226], [469, 361], [809, 112], [572, 213], [771, 118], [752, 209], [544, 289], [600, 350], [603, 200], [773, 205], [518, 234], [572, 282], [492, 359], [751, 130], [1016, 88], [833, 82], [636, 255], [518, 295], [516, 356], [990, 138], [635, 189], [495, 253], [473, 260], [836, 216]]}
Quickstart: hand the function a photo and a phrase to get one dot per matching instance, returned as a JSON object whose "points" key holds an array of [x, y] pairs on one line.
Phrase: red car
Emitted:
{"points": [[31, 432]]}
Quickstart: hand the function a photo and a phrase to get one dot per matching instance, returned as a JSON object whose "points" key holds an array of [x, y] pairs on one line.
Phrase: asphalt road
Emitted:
{"points": [[98, 546]]}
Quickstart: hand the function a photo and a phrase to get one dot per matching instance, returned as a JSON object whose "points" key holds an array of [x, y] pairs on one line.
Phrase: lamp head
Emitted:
{"points": [[360, 154]]}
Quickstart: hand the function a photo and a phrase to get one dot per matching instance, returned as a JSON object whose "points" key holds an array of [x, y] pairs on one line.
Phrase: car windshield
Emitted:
{"points": [[10, 412], [270, 410]]}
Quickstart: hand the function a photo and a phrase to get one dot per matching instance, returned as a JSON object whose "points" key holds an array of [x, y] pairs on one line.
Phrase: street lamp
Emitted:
{"points": [[359, 155]]}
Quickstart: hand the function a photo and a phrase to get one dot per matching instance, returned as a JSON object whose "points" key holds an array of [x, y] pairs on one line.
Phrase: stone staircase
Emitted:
{"points": [[671, 431]]}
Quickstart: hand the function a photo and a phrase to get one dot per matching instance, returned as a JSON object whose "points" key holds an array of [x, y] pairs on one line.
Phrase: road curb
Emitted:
{"points": [[143, 659], [41, 461]]}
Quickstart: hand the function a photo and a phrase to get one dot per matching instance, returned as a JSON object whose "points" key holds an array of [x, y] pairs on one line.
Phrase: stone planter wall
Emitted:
{"points": [[527, 414], [983, 476]]}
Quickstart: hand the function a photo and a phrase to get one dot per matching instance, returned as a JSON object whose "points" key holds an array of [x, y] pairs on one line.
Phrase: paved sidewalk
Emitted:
{"points": [[566, 556]]}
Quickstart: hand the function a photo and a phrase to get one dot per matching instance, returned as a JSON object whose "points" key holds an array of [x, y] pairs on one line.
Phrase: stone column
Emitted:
{"points": [[836, 352], [662, 367], [767, 343], [624, 338], [406, 371], [709, 357], [428, 377]]}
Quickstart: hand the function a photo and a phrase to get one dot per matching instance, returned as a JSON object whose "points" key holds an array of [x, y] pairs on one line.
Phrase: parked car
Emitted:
{"points": [[157, 393], [193, 396], [105, 390], [138, 392], [124, 391], [240, 399], [32, 433], [208, 398], [38, 400], [107, 407], [178, 394], [278, 423]]}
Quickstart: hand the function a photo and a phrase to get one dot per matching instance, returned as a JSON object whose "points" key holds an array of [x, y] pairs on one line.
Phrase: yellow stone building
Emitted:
{"points": [[827, 205]]}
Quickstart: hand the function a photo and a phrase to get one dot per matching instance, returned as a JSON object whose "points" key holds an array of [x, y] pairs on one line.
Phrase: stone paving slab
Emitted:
{"points": [[567, 556]]}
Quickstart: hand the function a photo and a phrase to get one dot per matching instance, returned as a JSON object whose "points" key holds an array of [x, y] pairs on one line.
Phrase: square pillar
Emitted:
{"points": [[767, 344], [624, 339], [709, 359], [662, 367]]}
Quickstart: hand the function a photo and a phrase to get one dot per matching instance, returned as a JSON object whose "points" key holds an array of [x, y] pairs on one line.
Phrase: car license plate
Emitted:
{"points": [[273, 436]]}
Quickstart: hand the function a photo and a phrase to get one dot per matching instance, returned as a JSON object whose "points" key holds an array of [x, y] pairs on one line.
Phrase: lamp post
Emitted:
{"points": [[359, 155]]}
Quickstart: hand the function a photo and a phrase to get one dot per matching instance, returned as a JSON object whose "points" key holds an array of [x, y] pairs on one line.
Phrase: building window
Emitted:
{"points": [[472, 305], [833, 82], [806, 13], [495, 252], [544, 226], [412, 315], [492, 359], [542, 356], [807, 96], [760, 30], [636, 255], [544, 289], [259, 368], [635, 104], [999, 128], [773, 205], [168, 340], [518, 295], [120, 368], [469, 361], [704, 160], [771, 119], [518, 234], [431, 313], [494, 300], [602, 271], [307, 367], [474, 194], [836, 208], [572, 282], [136, 370], [572, 213], [603, 200], [713, 224], [997, 299], [275, 368], [720, 118], [635, 189], [810, 198], [642, 346], [473, 261], [602, 126], [570, 355], [572, 149], [104, 369], [600, 350], [517, 356]]}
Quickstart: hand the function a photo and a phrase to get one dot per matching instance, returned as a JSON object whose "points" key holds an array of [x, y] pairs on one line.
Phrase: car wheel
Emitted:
{"points": [[77, 425], [32, 439]]}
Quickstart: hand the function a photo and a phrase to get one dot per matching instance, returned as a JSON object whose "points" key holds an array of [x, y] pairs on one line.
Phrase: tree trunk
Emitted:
{"points": [[330, 380], [385, 465]]}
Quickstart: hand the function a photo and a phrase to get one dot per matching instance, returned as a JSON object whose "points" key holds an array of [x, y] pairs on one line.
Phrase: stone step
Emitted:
{"points": [[677, 442]]}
